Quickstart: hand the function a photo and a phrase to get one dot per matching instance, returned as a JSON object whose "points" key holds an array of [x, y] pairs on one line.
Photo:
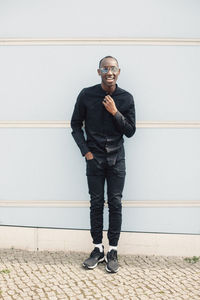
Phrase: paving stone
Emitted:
{"points": [[60, 275]]}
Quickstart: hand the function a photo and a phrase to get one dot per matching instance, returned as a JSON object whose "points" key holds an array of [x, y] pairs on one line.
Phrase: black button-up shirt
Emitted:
{"points": [[104, 132]]}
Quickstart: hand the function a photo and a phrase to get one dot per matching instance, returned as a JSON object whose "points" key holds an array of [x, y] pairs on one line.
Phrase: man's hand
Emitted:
{"points": [[109, 104], [89, 156]]}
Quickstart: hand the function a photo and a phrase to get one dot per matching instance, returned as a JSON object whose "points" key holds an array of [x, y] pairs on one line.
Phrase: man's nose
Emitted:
{"points": [[109, 71]]}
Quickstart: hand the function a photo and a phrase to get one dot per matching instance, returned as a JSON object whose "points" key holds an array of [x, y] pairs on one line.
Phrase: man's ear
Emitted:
{"points": [[99, 72]]}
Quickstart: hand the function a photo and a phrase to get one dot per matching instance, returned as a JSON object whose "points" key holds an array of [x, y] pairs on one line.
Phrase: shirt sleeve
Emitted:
{"points": [[77, 120], [125, 122]]}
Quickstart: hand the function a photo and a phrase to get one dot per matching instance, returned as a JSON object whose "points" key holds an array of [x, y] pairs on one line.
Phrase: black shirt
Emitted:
{"points": [[104, 132]]}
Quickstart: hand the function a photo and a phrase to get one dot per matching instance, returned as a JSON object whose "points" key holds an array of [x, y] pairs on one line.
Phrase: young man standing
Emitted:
{"points": [[108, 112]]}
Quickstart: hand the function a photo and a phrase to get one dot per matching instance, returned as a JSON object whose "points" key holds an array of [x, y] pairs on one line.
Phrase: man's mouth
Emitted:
{"points": [[109, 78]]}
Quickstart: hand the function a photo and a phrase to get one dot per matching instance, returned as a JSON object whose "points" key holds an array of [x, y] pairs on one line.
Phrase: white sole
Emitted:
{"points": [[109, 271]]}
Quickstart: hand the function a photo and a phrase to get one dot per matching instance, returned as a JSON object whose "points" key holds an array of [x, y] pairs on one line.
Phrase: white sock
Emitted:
{"points": [[100, 246], [112, 248]]}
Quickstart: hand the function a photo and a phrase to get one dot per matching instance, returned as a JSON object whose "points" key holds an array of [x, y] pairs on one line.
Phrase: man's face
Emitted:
{"points": [[109, 78]]}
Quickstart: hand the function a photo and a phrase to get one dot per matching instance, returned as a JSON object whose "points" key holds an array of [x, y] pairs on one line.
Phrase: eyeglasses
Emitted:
{"points": [[107, 69]]}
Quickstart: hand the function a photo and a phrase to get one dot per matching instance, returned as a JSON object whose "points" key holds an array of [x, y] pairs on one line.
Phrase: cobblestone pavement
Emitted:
{"points": [[60, 275]]}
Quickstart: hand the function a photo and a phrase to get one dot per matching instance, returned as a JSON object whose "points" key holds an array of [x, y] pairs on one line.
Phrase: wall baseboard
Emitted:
{"points": [[79, 240]]}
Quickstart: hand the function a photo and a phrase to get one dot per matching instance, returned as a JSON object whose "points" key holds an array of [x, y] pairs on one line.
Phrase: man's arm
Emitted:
{"points": [[77, 119], [124, 122]]}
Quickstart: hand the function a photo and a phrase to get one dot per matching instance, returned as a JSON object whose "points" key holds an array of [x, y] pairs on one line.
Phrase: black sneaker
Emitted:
{"points": [[112, 265], [95, 257]]}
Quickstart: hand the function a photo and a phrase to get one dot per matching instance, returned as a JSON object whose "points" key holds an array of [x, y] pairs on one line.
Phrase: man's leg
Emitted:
{"points": [[115, 182], [96, 181], [96, 191]]}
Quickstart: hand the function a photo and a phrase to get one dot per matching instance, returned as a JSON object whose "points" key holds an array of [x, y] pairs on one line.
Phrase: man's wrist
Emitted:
{"points": [[114, 112], [89, 155]]}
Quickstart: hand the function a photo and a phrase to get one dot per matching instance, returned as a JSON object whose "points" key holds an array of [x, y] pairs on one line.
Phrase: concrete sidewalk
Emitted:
{"points": [[59, 275]]}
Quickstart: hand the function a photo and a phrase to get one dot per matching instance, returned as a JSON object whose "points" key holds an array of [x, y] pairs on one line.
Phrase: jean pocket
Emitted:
{"points": [[92, 167], [90, 159], [120, 168]]}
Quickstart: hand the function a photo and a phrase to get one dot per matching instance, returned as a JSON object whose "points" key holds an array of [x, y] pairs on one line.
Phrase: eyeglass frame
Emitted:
{"points": [[113, 69]]}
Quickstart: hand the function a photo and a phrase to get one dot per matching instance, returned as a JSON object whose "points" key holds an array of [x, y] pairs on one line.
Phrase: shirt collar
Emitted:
{"points": [[105, 93]]}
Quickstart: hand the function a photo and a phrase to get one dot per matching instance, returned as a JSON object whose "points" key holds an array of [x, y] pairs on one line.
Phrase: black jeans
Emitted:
{"points": [[97, 174]]}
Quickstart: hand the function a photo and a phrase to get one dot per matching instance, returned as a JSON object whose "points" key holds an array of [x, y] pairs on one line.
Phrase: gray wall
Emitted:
{"points": [[41, 83]]}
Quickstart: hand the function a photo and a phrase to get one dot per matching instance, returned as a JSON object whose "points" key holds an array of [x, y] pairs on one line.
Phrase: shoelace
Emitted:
{"points": [[113, 255], [94, 252]]}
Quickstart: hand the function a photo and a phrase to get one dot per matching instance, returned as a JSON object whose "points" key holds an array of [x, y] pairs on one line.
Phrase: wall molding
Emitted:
{"points": [[66, 124], [75, 203], [99, 41]]}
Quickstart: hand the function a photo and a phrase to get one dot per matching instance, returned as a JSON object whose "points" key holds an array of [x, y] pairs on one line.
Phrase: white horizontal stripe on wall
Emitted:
{"points": [[66, 124], [58, 203], [99, 41]]}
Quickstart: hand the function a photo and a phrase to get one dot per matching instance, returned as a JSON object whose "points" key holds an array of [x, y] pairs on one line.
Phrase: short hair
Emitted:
{"points": [[108, 57]]}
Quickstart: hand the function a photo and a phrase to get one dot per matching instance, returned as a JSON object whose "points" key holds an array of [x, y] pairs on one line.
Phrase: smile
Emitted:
{"points": [[110, 78]]}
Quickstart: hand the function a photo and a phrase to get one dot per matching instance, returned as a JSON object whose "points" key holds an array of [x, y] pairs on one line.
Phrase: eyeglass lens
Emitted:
{"points": [[106, 69]]}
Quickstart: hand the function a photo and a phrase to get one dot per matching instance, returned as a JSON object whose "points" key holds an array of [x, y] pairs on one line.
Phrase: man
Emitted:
{"points": [[108, 112]]}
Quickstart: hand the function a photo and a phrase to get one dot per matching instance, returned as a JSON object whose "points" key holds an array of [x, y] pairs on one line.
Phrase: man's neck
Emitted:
{"points": [[109, 90]]}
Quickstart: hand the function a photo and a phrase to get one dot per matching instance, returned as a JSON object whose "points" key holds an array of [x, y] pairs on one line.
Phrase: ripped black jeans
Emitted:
{"points": [[97, 174]]}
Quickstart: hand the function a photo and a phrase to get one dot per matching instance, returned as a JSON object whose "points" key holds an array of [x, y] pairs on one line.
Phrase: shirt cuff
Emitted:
{"points": [[118, 116], [84, 149]]}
